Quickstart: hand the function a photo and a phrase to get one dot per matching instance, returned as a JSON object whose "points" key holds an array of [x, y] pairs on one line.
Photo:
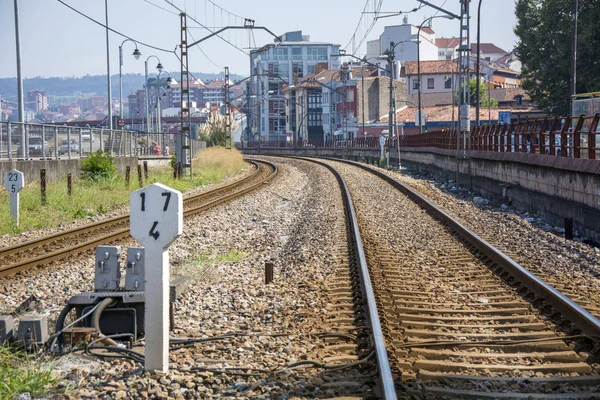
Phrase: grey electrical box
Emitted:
{"points": [[33, 328], [134, 272], [7, 325], [108, 272]]}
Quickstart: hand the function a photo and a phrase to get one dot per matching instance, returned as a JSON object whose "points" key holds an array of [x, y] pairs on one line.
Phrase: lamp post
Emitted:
{"points": [[419, 61], [110, 122], [20, 100], [136, 53], [158, 109], [159, 67]]}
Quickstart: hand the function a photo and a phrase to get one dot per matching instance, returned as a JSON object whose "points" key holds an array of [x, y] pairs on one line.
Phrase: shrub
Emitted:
{"points": [[98, 166]]}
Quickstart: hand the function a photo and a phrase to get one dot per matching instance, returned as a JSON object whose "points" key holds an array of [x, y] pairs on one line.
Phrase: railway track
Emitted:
{"points": [[459, 318], [44, 250]]}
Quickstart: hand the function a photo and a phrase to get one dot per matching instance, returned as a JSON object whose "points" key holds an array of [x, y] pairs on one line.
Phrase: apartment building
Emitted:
{"points": [[284, 62], [37, 100]]}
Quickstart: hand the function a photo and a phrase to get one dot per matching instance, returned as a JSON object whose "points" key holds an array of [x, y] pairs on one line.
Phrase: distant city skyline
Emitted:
{"points": [[56, 41]]}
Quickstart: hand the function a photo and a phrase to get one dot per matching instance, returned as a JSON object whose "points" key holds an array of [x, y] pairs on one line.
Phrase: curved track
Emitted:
{"points": [[461, 319], [41, 251]]}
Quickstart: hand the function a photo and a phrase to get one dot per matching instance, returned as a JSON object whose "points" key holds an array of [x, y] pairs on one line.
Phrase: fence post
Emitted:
{"points": [[43, 181], [70, 183], [139, 171], [592, 137], [9, 143], [146, 170], [577, 137], [43, 142], [56, 142], [127, 175], [268, 273], [69, 143], [569, 228], [563, 137], [81, 144]]}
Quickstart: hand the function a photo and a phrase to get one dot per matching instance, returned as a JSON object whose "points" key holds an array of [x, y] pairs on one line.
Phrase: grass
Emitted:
{"points": [[21, 372], [91, 199]]}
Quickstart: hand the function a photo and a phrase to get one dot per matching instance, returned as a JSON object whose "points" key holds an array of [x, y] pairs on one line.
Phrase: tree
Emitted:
{"points": [[544, 30], [215, 131], [484, 95]]}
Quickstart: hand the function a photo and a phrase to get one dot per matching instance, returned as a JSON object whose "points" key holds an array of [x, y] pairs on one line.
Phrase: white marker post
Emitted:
{"points": [[156, 220], [14, 182]]}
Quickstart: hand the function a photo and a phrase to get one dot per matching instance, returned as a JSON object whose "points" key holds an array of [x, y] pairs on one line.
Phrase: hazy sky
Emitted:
{"points": [[56, 41]]}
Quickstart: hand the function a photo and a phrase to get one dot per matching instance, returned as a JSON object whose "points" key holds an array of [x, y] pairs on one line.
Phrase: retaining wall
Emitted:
{"points": [[58, 169]]}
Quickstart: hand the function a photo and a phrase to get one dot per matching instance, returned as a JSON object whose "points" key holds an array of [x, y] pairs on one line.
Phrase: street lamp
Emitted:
{"points": [[136, 53], [159, 67], [168, 81], [419, 61]]}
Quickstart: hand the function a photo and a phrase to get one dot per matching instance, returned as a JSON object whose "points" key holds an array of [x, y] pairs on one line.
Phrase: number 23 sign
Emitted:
{"points": [[156, 215], [13, 181]]}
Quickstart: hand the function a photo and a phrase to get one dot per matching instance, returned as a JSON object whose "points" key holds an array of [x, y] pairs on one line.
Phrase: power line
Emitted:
{"points": [[202, 51], [222, 9], [162, 8], [376, 9], [114, 31], [204, 26]]}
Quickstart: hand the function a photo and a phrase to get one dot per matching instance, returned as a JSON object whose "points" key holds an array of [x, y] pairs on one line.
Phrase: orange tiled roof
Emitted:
{"points": [[431, 67]]}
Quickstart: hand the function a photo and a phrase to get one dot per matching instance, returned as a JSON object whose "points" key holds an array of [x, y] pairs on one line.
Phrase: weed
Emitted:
{"points": [[98, 166], [21, 372]]}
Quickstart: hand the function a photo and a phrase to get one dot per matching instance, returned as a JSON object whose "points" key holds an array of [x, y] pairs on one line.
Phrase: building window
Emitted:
{"points": [[441, 54], [296, 53], [350, 96], [448, 83], [430, 83], [415, 84]]}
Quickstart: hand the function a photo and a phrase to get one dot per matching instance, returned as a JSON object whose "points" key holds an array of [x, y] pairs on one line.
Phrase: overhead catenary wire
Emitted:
{"points": [[205, 27], [162, 8], [113, 30], [202, 51], [363, 19]]}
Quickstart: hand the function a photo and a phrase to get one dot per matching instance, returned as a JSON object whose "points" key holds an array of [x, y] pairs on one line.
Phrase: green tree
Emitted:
{"points": [[484, 95], [544, 30]]}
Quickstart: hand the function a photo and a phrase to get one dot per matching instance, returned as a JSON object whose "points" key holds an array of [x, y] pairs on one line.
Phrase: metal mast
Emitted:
{"points": [[184, 148], [463, 137], [228, 139]]}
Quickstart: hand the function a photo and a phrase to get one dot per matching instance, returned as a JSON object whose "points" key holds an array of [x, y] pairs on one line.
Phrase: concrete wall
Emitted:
{"points": [[555, 187], [58, 169]]}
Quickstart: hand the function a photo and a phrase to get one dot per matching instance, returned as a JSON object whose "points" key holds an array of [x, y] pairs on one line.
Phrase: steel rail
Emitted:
{"points": [[122, 233], [583, 319], [383, 364], [20, 247]]}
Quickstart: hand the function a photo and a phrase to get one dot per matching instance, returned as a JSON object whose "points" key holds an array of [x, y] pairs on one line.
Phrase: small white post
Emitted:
{"points": [[156, 221], [14, 182], [381, 145]]}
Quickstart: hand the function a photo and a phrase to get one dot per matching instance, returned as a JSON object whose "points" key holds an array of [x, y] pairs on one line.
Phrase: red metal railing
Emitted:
{"points": [[564, 137]]}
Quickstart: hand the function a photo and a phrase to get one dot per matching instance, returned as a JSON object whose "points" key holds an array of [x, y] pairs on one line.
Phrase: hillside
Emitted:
{"points": [[86, 84]]}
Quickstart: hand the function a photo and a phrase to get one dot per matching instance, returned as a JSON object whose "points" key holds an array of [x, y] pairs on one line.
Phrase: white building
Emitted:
{"points": [[488, 51], [404, 38], [448, 47], [283, 63]]}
